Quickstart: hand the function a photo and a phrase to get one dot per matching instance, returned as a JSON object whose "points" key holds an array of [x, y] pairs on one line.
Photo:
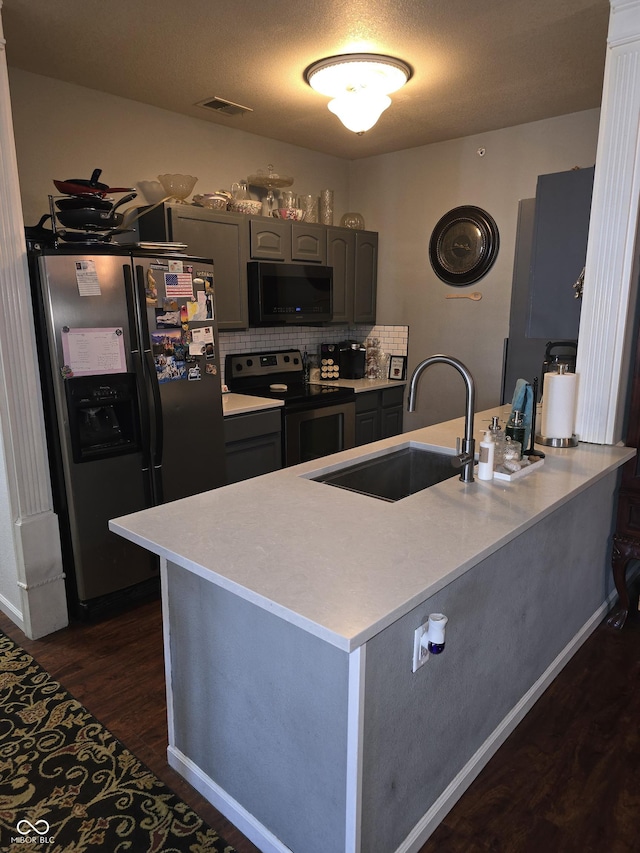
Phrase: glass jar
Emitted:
{"points": [[512, 455], [309, 204], [352, 220]]}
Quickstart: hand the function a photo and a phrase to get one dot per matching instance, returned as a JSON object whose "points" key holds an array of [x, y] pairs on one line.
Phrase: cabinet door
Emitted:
{"points": [[561, 226], [270, 240], [366, 277], [308, 243], [341, 253], [367, 427], [367, 417], [222, 237], [253, 445], [391, 421]]}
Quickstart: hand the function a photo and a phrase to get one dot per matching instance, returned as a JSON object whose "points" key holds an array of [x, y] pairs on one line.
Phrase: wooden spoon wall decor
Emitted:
{"points": [[476, 296]]}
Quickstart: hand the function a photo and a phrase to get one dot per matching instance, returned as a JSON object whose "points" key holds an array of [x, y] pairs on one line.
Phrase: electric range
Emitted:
{"points": [[317, 419]]}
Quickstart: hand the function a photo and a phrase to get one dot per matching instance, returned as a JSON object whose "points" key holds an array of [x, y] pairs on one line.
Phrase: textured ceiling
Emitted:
{"points": [[477, 66]]}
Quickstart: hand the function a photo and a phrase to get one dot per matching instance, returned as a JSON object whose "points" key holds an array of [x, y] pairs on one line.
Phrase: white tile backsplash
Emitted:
{"points": [[394, 340]]}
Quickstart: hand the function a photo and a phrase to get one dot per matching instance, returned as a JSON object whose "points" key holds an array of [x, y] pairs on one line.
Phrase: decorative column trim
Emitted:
{"points": [[607, 321], [36, 559]]}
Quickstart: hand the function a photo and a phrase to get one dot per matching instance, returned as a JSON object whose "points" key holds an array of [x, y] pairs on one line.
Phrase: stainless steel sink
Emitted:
{"points": [[394, 475]]}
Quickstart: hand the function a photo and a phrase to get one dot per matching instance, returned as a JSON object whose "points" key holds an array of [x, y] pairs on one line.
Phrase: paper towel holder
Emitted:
{"points": [[547, 441], [557, 442]]}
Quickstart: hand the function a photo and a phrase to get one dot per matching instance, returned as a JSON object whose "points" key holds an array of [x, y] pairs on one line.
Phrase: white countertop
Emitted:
{"points": [[240, 404], [341, 565]]}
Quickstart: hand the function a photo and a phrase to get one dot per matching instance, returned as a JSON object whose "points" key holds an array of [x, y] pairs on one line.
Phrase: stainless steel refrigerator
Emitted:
{"points": [[130, 373]]}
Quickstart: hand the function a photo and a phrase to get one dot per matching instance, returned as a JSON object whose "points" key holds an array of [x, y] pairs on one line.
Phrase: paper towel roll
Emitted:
{"points": [[559, 405]]}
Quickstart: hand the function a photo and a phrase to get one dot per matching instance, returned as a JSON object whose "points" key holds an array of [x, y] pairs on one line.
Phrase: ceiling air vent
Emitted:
{"points": [[227, 108]]}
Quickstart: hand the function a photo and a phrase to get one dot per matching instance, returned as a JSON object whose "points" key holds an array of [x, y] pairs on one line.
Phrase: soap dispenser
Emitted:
{"points": [[515, 428], [486, 457], [499, 439]]}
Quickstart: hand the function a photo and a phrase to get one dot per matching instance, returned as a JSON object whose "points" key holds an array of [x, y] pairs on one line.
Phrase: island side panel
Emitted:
{"points": [[260, 707], [509, 618]]}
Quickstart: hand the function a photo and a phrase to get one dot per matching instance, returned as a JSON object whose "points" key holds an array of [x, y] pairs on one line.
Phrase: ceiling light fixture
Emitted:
{"points": [[360, 85]]}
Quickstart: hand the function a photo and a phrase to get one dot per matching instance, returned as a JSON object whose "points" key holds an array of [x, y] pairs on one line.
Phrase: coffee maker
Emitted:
{"points": [[353, 360]]}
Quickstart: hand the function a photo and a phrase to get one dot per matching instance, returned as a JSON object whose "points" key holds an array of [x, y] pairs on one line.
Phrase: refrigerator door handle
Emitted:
{"points": [[155, 414], [141, 385]]}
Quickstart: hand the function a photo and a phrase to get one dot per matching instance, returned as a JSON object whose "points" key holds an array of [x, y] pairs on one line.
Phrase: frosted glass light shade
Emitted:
{"points": [[359, 84], [359, 111]]}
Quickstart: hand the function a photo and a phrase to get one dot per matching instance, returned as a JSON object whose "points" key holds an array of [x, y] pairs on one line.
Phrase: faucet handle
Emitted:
{"points": [[458, 445]]}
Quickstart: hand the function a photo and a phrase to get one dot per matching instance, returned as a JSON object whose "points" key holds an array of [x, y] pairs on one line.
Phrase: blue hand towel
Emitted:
{"points": [[523, 402]]}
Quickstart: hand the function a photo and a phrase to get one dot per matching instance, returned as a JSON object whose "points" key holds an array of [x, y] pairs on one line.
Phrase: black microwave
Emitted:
{"points": [[297, 294]]}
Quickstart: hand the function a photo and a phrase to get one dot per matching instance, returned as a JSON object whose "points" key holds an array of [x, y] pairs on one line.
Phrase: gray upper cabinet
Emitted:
{"points": [[561, 226], [366, 277], [232, 239], [282, 240], [354, 258], [341, 255], [270, 239], [308, 243], [209, 234]]}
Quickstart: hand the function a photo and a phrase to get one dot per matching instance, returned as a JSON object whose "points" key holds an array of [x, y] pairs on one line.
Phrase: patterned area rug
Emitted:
{"points": [[68, 786]]}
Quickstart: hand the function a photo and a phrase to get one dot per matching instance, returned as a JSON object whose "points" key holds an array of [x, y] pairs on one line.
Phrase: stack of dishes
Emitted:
{"points": [[218, 200]]}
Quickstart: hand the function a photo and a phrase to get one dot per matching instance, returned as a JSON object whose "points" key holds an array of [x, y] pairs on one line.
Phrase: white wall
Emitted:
{"points": [[403, 195]]}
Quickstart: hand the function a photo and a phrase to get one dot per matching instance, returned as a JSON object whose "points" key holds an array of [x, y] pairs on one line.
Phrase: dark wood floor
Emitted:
{"points": [[568, 778]]}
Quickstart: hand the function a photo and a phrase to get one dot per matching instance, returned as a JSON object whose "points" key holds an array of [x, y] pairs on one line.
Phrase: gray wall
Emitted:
{"points": [[260, 706], [509, 618], [403, 195]]}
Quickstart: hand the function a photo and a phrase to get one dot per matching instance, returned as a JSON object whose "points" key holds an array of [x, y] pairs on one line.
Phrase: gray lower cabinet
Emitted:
{"points": [[379, 414], [209, 234], [253, 444], [354, 258]]}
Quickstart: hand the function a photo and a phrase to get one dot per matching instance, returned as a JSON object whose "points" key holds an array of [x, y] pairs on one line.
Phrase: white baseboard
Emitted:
{"points": [[12, 612], [452, 793], [230, 808]]}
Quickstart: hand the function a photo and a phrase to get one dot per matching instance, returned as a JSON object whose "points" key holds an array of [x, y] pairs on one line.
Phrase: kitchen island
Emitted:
{"points": [[290, 608]]}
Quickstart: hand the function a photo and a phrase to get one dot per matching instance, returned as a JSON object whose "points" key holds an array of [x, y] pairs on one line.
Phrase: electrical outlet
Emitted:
{"points": [[420, 652]]}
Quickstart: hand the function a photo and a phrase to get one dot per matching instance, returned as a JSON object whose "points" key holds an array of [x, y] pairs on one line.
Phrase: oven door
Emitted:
{"points": [[315, 432]]}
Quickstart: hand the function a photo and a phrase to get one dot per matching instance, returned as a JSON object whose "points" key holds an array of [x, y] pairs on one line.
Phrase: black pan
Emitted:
{"points": [[91, 236], [39, 232], [90, 220], [86, 218], [73, 202]]}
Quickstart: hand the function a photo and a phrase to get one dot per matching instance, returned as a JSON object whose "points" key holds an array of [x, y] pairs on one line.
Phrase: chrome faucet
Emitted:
{"points": [[465, 459]]}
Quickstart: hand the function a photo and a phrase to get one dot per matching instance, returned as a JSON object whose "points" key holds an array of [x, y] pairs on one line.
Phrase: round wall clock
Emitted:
{"points": [[464, 245]]}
